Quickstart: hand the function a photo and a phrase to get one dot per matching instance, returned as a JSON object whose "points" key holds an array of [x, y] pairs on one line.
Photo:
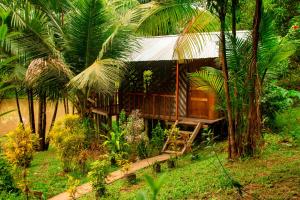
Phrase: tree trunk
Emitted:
{"points": [[236, 110], [18, 108], [223, 61], [54, 116], [31, 110], [254, 119], [42, 122], [65, 105]]}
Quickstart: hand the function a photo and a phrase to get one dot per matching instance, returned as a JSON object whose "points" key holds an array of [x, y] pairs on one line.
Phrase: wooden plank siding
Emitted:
{"points": [[159, 102], [183, 89]]}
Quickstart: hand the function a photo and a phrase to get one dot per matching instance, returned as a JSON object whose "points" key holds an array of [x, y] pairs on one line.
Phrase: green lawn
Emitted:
{"points": [[273, 174], [47, 176]]}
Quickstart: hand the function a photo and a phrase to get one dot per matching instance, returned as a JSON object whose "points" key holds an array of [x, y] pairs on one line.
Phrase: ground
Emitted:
{"points": [[273, 174], [47, 176]]}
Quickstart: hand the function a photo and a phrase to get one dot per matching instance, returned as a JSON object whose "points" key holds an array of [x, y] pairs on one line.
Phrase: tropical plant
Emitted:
{"points": [[135, 134], [155, 186], [97, 175], [7, 182], [73, 183], [69, 136], [272, 50], [20, 147], [116, 143], [147, 78], [157, 138], [172, 134], [274, 100]]}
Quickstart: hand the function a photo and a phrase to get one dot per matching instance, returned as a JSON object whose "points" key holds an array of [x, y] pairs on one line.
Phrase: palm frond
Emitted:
{"points": [[191, 40], [48, 76], [164, 17], [208, 78], [34, 38], [102, 76], [84, 31]]}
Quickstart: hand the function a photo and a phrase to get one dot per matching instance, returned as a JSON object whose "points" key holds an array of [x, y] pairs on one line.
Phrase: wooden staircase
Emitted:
{"points": [[184, 139]]}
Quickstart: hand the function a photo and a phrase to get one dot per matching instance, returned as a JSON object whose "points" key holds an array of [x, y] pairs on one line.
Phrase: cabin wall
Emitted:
{"points": [[160, 98], [201, 103]]}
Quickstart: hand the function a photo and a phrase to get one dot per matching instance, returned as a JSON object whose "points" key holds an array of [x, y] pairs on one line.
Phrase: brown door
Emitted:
{"points": [[198, 103]]}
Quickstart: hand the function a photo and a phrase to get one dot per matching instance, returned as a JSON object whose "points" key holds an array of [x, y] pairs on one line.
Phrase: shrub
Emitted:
{"points": [[73, 183], [97, 175], [276, 99], [135, 134], [172, 134], [116, 143], [7, 183], [68, 136], [288, 121], [158, 138], [19, 147]]}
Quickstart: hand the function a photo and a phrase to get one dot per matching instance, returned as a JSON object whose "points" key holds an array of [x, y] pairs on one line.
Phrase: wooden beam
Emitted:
{"points": [[177, 90]]}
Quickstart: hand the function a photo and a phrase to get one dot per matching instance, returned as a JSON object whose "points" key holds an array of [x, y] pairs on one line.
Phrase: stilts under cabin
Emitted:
{"points": [[157, 84]]}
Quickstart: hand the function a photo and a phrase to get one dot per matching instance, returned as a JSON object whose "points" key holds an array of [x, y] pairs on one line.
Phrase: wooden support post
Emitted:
{"points": [[177, 90]]}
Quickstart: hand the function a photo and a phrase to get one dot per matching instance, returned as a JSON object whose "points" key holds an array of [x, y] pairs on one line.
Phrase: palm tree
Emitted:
{"points": [[92, 37], [99, 38], [272, 50]]}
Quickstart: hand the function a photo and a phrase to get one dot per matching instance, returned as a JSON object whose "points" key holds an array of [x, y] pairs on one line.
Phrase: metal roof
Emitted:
{"points": [[161, 48]]}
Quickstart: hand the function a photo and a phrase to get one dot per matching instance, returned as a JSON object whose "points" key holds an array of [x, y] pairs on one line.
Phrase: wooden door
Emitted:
{"points": [[198, 103]]}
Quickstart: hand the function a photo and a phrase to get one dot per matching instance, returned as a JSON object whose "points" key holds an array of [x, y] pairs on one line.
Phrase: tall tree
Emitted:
{"points": [[254, 114], [220, 8]]}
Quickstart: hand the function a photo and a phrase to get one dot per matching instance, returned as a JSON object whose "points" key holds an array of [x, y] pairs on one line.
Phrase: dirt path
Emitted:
{"points": [[116, 175]]}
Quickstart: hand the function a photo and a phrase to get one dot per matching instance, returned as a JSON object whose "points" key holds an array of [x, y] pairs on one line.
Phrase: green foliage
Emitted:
{"points": [[288, 123], [20, 147], [155, 186], [122, 118], [135, 135], [276, 99], [68, 136], [97, 175], [157, 138], [116, 142], [7, 183], [172, 134], [73, 183], [147, 78]]}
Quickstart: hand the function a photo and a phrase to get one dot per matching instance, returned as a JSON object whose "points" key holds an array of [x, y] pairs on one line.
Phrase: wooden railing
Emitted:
{"points": [[106, 105], [152, 105]]}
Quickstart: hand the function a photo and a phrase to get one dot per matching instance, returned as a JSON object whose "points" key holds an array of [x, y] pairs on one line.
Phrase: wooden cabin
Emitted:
{"points": [[170, 96]]}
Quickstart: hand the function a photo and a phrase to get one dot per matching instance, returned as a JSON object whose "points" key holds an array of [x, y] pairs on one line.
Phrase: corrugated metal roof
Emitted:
{"points": [[161, 48]]}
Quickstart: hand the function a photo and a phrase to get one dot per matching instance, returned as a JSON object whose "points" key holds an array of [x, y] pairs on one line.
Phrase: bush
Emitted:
{"points": [[276, 99], [7, 184], [116, 143], [19, 147], [158, 138], [288, 121], [69, 136], [97, 175], [135, 135]]}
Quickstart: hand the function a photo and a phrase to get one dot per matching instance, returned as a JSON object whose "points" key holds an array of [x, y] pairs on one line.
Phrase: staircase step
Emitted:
{"points": [[186, 132], [179, 142], [172, 152], [188, 122]]}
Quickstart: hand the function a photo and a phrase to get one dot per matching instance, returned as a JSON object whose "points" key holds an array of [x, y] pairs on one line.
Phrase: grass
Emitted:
{"points": [[273, 174], [46, 174]]}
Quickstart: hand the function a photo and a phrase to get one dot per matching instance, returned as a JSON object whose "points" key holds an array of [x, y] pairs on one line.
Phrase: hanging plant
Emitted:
{"points": [[147, 77]]}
